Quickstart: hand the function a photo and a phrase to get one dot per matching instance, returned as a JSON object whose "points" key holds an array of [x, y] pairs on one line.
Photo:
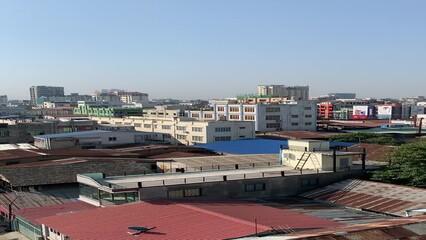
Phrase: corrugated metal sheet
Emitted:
{"points": [[373, 196], [196, 219]]}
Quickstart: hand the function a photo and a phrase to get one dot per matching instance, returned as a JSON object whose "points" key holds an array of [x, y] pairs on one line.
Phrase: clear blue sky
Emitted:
{"points": [[216, 48]]}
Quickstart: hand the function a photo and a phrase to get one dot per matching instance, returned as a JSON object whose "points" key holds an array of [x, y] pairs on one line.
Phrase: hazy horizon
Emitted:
{"points": [[213, 49]]}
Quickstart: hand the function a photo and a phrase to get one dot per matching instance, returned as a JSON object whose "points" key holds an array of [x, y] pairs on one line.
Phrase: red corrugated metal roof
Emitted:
{"points": [[32, 214], [265, 215], [181, 220]]}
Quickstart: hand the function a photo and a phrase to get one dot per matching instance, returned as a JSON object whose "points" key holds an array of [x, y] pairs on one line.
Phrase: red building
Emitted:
{"points": [[325, 110]]}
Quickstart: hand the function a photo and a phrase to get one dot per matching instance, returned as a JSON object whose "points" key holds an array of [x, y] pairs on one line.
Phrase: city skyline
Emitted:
{"points": [[192, 49]]}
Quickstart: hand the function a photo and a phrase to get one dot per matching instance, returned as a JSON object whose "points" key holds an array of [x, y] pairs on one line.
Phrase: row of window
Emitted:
{"points": [[168, 127], [194, 138], [223, 129], [4, 133], [278, 125]]}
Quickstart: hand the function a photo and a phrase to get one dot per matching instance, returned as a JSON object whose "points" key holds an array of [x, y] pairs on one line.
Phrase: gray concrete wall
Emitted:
{"points": [[274, 187]]}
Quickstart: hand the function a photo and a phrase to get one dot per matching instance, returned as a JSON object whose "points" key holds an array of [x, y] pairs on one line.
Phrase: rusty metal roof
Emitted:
{"points": [[371, 196], [403, 228]]}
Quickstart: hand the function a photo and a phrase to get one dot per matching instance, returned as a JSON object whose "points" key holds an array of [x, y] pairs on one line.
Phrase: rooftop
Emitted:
{"points": [[231, 160], [301, 134], [374, 152], [214, 219], [71, 134], [65, 171], [255, 146], [151, 180], [371, 196], [33, 214]]}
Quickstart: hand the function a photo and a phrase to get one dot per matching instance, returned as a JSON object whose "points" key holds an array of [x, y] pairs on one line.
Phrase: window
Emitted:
{"points": [[255, 187], [208, 115], [273, 109], [195, 115], [220, 109], [112, 139], [308, 108], [180, 128], [166, 127], [273, 125], [273, 117], [181, 137], [294, 116], [234, 109], [194, 192], [310, 182], [4, 133], [249, 109], [234, 117], [197, 129], [242, 136], [197, 138], [223, 129], [294, 124], [147, 125], [89, 191], [344, 163], [249, 117], [223, 138], [308, 124], [138, 125], [308, 116], [242, 127]]}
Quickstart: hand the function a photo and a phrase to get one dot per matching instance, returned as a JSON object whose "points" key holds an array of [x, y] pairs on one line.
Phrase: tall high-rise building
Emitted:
{"points": [[45, 91], [295, 92]]}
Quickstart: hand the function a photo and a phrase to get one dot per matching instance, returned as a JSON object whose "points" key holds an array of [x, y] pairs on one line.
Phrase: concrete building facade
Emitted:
{"points": [[3, 100], [96, 139], [295, 92], [45, 91], [288, 116], [314, 154], [187, 131]]}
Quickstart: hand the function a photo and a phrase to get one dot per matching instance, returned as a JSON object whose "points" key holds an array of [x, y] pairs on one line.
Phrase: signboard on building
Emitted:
{"points": [[360, 112], [384, 112]]}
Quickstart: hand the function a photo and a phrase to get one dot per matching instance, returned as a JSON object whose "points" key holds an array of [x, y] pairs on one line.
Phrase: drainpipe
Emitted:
{"points": [[334, 161]]}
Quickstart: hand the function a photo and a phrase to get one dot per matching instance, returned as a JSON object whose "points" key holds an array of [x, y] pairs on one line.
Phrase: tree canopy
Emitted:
{"points": [[407, 166], [372, 138]]}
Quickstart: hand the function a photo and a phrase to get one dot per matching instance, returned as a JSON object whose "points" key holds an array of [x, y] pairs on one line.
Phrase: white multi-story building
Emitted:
{"points": [[288, 116], [188, 131], [133, 97], [295, 92]]}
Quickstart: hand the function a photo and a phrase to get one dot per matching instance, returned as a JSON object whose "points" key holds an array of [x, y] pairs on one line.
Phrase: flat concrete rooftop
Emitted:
{"points": [[153, 180]]}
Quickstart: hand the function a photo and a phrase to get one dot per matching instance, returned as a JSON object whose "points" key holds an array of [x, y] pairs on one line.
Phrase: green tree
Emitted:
{"points": [[372, 138], [407, 166]]}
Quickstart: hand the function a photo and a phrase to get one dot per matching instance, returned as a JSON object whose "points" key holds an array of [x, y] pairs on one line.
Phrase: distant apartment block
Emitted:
{"points": [[3, 100], [289, 116], [295, 92], [96, 139], [125, 97], [13, 131], [187, 131], [45, 91], [106, 110]]}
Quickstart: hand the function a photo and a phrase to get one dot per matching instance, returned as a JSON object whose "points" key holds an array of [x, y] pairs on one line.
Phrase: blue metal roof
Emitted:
{"points": [[255, 146], [71, 134]]}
